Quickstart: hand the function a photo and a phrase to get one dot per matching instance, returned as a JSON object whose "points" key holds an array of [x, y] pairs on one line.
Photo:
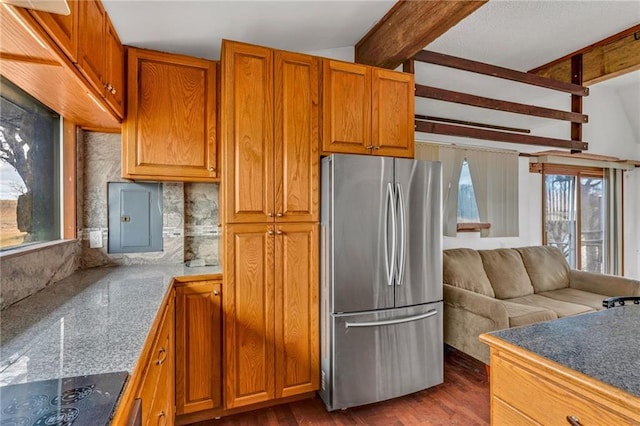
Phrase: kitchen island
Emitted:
{"points": [[95, 321], [582, 369]]}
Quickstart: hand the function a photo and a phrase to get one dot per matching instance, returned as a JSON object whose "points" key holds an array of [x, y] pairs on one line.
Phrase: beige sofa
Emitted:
{"points": [[487, 290]]}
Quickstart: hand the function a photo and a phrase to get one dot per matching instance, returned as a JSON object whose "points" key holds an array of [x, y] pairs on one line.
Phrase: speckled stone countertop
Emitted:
{"points": [[604, 345], [95, 321]]}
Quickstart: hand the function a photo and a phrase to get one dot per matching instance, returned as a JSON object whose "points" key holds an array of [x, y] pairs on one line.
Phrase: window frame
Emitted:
{"points": [[579, 172], [67, 187]]}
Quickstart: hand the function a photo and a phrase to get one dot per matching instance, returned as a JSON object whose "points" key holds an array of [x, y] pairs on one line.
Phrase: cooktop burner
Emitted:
{"points": [[80, 401]]}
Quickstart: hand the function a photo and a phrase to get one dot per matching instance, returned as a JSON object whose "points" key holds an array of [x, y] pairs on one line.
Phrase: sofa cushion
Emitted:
{"points": [[506, 273], [463, 268], [572, 295], [525, 314], [562, 309], [546, 266]]}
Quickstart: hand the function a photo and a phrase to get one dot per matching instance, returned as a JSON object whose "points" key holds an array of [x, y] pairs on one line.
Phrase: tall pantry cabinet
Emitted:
{"points": [[270, 126]]}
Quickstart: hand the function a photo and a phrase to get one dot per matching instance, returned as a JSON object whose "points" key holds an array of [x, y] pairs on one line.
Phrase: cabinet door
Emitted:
{"points": [[63, 29], [198, 347], [346, 107], [393, 129], [247, 120], [91, 46], [296, 323], [249, 314], [296, 137], [114, 69], [170, 129]]}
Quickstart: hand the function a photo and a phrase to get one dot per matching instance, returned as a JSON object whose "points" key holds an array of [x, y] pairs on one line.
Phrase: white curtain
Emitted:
{"points": [[452, 159], [494, 175], [427, 151], [614, 221]]}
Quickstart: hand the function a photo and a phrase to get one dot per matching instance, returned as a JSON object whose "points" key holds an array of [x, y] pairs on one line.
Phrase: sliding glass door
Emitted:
{"points": [[574, 216]]}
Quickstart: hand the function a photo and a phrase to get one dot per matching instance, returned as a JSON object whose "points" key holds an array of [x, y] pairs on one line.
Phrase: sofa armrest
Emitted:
{"points": [[467, 315], [608, 285]]}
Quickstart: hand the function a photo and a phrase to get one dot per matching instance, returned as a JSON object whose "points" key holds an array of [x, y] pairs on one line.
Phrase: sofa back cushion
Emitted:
{"points": [[463, 268], [546, 266], [506, 272]]}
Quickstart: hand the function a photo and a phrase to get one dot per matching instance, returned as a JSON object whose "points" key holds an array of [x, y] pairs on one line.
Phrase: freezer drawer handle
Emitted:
{"points": [[428, 314]]}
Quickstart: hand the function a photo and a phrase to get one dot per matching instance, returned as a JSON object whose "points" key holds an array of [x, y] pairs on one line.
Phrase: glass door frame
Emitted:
{"points": [[578, 173]]}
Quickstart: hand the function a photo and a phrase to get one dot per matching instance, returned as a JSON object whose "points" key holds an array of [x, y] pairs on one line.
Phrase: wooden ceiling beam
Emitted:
{"points": [[608, 58], [408, 27], [493, 135]]}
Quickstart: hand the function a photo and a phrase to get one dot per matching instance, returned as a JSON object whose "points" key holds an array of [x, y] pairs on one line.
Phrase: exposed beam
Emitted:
{"points": [[470, 123], [493, 135], [408, 27], [496, 104], [608, 58], [500, 72]]}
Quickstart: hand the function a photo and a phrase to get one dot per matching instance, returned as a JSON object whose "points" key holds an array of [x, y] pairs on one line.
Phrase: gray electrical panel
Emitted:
{"points": [[135, 217]]}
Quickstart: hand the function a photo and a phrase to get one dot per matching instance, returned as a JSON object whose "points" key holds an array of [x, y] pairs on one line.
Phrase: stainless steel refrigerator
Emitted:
{"points": [[381, 278]]}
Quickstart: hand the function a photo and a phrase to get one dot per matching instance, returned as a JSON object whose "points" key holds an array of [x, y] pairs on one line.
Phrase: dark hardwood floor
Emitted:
{"points": [[463, 399]]}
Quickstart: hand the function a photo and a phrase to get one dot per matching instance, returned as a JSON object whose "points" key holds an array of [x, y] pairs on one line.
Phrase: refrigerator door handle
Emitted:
{"points": [[390, 205], [403, 236], [394, 321]]}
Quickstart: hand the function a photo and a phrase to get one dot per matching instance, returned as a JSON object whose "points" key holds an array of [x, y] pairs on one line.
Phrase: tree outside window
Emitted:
{"points": [[29, 169]]}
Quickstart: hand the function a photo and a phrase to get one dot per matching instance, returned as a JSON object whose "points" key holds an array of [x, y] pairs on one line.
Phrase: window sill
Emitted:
{"points": [[472, 226], [32, 248]]}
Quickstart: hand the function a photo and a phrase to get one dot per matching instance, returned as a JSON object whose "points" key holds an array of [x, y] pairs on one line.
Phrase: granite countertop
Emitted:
{"points": [[95, 321], [603, 345]]}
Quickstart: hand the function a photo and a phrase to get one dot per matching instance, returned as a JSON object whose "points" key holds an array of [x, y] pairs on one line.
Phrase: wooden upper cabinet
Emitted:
{"points": [[346, 92], [91, 46], [114, 69], [367, 110], [296, 137], [63, 29], [100, 54], [247, 124], [393, 118], [170, 129], [198, 346], [270, 119]]}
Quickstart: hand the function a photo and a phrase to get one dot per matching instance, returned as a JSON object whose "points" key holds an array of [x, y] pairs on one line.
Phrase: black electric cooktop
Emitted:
{"points": [[78, 401]]}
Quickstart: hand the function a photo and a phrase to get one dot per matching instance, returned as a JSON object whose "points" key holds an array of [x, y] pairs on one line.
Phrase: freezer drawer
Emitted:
{"points": [[385, 354]]}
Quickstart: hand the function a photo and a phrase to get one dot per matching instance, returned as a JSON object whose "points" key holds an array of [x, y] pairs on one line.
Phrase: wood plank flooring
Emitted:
{"points": [[463, 399]]}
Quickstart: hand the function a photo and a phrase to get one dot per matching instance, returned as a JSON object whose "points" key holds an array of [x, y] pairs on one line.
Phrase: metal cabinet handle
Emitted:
{"points": [[216, 292], [574, 420], [279, 232], [162, 356], [279, 214], [370, 147], [162, 415], [113, 91], [212, 169], [376, 147], [270, 232], [270, 214]]}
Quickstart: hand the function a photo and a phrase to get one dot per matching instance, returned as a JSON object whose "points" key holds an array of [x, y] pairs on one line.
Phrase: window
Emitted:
{"points": [[575, 216], [467, 204], [29, 169]]}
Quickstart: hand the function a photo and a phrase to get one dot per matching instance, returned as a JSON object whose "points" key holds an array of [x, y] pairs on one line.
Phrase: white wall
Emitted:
{"points": [[340, 53]]}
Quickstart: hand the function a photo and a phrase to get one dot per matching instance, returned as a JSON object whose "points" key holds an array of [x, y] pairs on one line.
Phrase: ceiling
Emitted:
{"points": [[517, 34]]}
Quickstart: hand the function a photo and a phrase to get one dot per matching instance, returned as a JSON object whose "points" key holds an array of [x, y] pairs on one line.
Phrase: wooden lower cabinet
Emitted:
{"points": [[271, 331], [157, 387], [198, 346], [527, 389]]}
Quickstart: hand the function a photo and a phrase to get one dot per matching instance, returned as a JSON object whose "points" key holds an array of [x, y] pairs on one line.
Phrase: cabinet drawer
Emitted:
{"points": [[504, 414], [156, 367], [544, 399]]}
